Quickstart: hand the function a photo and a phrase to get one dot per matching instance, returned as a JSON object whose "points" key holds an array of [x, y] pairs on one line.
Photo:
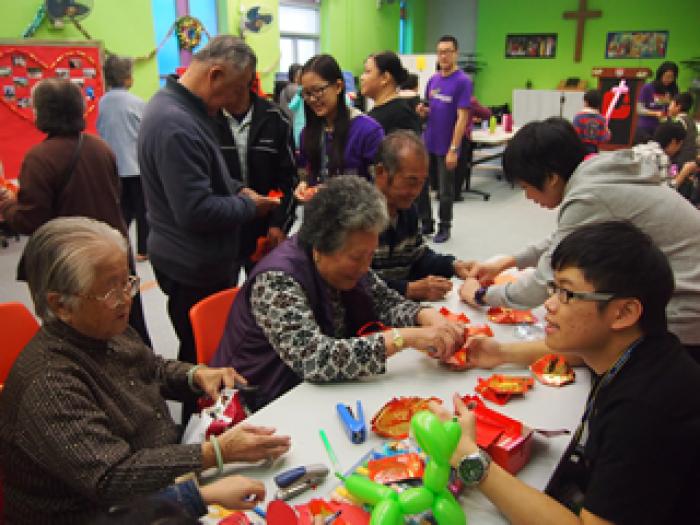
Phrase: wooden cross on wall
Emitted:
{"points": [[580, 16]]}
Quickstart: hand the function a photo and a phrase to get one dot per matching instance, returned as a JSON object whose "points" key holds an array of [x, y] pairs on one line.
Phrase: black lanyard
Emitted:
{"points": [[603, 382]]}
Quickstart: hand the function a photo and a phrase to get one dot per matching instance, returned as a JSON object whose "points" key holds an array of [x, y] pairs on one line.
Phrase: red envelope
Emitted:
{"points": [[458, 318], [501, 315]]}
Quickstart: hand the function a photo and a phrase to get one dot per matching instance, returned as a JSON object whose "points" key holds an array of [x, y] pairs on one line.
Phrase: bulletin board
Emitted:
{"points": [[23, 63]]}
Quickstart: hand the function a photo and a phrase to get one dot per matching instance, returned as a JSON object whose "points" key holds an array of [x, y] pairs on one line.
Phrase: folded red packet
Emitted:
{"points": [[478, 329], [451, 316], [501, 315], [394, 418], [553, 370], [500, 388], [349, 514], [393, 469]]}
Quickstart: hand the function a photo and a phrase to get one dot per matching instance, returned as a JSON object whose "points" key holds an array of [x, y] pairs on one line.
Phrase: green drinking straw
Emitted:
{"points": [[329, 451]]}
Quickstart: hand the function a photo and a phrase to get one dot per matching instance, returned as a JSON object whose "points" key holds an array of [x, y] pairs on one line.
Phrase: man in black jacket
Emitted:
{"points": [[402, 258], [258, 146], [195, 208]]}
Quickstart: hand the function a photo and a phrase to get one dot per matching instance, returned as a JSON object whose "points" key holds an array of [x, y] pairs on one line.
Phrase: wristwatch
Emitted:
{"points": [[398, 339], [479, 295], [473, 468]]}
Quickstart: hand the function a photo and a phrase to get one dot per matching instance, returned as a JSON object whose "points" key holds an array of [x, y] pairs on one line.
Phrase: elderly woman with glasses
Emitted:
{"points": [[83, 418], [299, 315]]}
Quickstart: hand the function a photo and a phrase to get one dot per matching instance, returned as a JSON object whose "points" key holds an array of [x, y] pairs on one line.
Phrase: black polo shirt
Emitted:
{"points": [[641, 457]]}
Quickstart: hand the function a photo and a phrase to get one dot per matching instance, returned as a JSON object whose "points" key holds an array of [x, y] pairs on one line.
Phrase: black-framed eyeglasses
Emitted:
{"points": [[315, 92], [115, 296], [564, 295]]}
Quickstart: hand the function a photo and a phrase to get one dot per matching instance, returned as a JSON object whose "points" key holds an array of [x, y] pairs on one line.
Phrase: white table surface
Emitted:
{"points": [[307, 408], [484, 136]]}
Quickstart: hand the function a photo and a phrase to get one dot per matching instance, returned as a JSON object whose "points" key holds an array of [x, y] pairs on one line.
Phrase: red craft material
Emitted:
{"points": [[349, 515], [553, 370], [451, 316], [501, 315], [394, 418], [508, 441], [500, 388], [393, 469]]}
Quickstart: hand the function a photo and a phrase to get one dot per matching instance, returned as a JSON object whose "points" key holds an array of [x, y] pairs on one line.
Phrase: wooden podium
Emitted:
{"points": [[623, 121]]}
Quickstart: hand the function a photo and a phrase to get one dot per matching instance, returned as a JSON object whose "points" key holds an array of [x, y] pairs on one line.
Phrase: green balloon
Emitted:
{"points": [[436, 476], [415, 500], [367, 490], [386, 512], [431, 436], [447, 511], [454, 433]]}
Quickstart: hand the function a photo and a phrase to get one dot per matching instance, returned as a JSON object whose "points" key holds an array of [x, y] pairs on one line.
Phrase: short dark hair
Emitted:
{"points": [[592, 98], [668, 131], [541, 148], [389, 62], [684, 101], [617, 257], [449, 38], [292, 72], [59, 107], [391, 147], [118, 70], [411, 82]]}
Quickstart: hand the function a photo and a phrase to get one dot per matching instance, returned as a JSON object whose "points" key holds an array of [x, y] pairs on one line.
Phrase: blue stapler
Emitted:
{"points": [[354, 425]]}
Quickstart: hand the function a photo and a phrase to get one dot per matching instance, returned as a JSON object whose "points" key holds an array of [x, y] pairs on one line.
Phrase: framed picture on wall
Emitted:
{"points": [[636, 44], [536, 45]]}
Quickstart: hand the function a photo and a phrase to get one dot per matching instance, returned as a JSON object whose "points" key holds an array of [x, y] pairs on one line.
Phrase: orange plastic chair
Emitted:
{"points": [[208, 318], [17, 326]]}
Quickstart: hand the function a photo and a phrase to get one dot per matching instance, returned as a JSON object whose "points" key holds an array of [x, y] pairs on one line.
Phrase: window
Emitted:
{"points": [[300, 27]]}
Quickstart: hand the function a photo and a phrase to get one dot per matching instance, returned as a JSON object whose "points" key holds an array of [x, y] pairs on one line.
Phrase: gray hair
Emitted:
{"points": [[345, 204], [61, 255], [118, 70], [394, 145], [227, 48]]}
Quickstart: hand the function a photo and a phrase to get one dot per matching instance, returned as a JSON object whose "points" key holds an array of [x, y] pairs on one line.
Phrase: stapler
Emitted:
{"points": [[355, 426], [293, 482]]}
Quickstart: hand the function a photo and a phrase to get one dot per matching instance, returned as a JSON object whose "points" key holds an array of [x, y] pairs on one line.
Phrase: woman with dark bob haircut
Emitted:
{"points": [[653, 100], [70, 173], [337, 140], [300, 315]]}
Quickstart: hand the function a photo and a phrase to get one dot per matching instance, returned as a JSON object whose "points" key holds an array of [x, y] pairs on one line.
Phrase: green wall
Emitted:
{"points": [[352, 29], [496, 18], [417, 13], [125, 27]]}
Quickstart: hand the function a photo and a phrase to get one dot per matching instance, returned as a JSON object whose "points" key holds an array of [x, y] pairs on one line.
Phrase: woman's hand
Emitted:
{"points": [[486, 272], [468, 290], [249, 443], [234, 493], [467, 443], [212, 380], [430, 288], [440, 341]]}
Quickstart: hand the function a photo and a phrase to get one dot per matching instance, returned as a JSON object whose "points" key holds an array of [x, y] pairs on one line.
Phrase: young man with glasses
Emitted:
{"points": [[546, 160], [448, 93], [634, 458]]}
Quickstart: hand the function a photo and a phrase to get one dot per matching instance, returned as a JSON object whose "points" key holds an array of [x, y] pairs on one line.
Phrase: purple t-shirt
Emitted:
{"points": [[653, 101], [446, 95], [364, 137]]}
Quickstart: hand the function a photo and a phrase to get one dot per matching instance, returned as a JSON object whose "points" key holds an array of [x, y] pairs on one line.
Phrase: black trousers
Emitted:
{"points": [[694, 351], [463, 171], [134, 208], [182, 297]]}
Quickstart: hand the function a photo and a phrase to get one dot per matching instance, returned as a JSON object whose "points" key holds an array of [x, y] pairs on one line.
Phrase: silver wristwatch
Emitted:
{"points": [[473, 468]]}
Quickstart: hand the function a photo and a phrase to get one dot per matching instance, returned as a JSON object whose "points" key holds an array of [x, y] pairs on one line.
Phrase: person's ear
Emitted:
{"points": [[625, 313], [339, 85], [58, 306]]}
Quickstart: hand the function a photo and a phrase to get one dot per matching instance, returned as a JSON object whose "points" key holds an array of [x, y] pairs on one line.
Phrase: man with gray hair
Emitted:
{"points": [[402, 258], [118, 124], [195, 208]]}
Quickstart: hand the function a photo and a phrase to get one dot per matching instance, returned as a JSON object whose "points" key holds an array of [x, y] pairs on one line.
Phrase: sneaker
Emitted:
{"points": [[442, 236], [428, 228]]}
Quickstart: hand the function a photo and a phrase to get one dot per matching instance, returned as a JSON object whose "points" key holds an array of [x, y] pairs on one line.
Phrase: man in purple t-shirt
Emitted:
{"points": [[448, 93]]}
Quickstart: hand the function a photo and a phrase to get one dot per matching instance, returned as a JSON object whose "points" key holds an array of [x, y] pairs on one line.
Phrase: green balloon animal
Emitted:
{"points": [[438, 440]]}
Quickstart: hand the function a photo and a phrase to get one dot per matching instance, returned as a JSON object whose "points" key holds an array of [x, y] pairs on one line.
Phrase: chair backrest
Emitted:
{"points": [[17, 327], [208, 318]]}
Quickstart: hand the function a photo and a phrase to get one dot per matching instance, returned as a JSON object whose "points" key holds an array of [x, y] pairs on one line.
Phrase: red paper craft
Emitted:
{"points": [[279, 513], [233, 411], [553, 370], [394, 418], [501, 315], [451, 316], [508, 441], [275, 194], [458, 361], [478, 329], [393, 469], [350, 514], [500, 388]]}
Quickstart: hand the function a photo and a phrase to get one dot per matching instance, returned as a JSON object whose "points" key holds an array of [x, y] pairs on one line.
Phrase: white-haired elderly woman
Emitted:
{"points": [[297, 316], [83, 419]]}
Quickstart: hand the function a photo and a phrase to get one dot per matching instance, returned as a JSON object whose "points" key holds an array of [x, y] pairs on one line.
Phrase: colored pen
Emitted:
{"points": [[331, 519], [329, 450]]}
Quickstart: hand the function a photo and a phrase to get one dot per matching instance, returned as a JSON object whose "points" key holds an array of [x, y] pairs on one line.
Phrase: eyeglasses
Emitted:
{"points": [[115, 296], [315, 92], [564, 295]]}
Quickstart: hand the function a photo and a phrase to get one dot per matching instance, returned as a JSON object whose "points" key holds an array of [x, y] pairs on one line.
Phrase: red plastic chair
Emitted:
{"points": [[208, 318], [17, 326]]}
